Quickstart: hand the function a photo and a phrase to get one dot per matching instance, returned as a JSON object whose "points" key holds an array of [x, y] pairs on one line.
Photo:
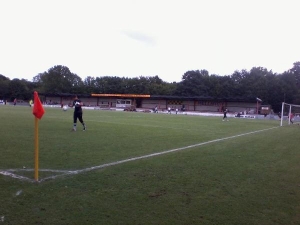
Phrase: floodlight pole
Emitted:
{"points": [[257, 100]]}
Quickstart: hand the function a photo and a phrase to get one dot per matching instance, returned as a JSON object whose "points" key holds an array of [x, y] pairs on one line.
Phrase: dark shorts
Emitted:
{"points": [[77, 115]]}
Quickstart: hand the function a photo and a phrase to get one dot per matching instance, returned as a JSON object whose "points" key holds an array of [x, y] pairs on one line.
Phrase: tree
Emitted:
{"points": [[59, 79], [19, 89], [194, 83], [221, 87], [258, 82], [237, 78], [109, 85], [4, 84], [158, 87], [295, 71], [288, 87], [89, 85]]}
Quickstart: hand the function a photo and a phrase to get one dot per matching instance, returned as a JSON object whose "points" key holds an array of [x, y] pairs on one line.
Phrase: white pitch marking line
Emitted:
{"points": [[19, 192], [74, 172], [150, 155], [6, 173], [10, 173], [42, 170]]}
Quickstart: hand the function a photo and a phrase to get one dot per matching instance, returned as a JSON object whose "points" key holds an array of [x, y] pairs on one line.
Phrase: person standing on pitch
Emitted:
{"points": [[291, 118], [225, 114], [77, 104]]}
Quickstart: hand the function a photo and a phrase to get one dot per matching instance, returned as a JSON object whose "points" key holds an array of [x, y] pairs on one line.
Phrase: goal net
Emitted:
{"points": [[290, 114]]}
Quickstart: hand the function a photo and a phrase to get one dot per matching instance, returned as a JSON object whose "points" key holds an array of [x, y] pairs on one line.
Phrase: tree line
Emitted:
{"points": [[259, 82]]}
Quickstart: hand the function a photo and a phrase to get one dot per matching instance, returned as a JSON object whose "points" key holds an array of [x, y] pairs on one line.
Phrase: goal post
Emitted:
{"points": [[289, 113]]}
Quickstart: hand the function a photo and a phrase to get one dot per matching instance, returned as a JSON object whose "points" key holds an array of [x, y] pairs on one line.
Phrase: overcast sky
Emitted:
{"points": [[132, 38]]}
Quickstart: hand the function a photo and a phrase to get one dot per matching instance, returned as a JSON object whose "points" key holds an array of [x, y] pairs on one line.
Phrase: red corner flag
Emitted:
{"points": [[38, 109]]}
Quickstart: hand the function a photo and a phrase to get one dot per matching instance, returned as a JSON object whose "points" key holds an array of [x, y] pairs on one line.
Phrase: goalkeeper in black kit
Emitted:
{"points": [[225, 115], [77, 104]]}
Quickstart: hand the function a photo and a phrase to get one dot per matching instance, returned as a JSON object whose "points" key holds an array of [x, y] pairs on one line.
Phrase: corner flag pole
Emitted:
{"points": [[36, 149], [38, 111]]}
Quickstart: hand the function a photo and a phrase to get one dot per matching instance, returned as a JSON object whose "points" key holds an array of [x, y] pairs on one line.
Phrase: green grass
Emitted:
{"points": [[250, 179]]}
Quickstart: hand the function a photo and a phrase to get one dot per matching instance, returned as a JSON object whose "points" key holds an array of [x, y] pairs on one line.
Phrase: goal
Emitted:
{"points": [[290, 114]]}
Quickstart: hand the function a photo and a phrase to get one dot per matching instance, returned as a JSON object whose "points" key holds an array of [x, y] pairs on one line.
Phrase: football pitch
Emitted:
{"points": [[146, 168]]}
